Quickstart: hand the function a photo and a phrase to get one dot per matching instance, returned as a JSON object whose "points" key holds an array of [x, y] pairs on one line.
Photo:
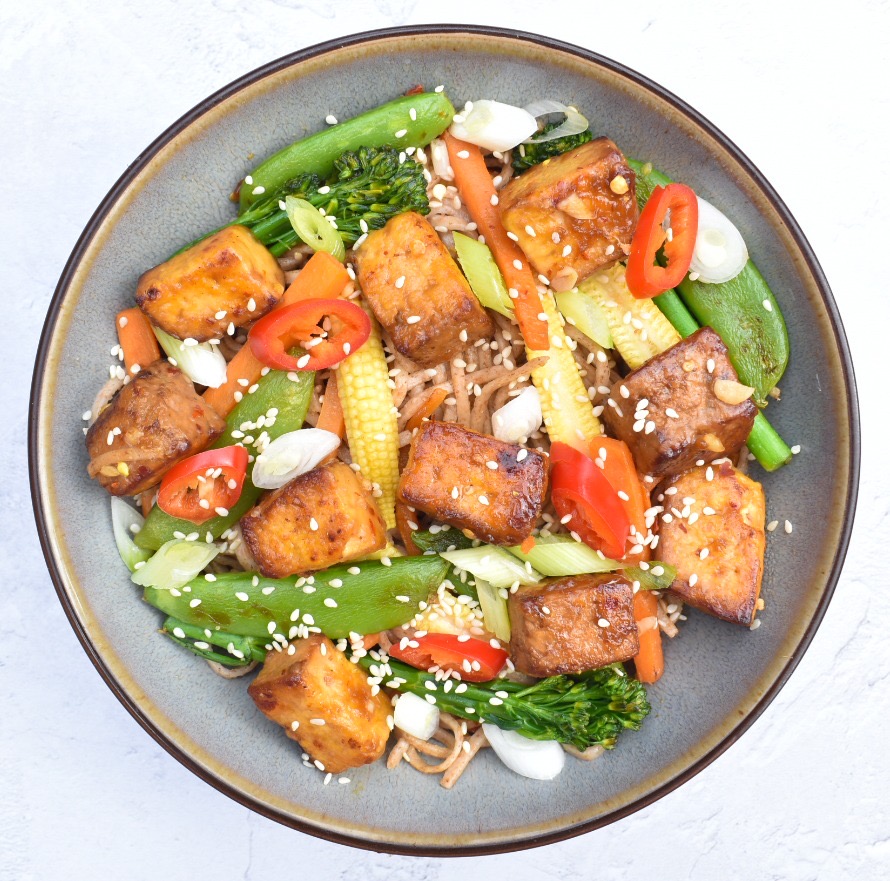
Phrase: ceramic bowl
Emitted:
{"points": [[719, 678]]}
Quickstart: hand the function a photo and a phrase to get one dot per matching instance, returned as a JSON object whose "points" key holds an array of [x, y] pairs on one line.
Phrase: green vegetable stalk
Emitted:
{"points": [[584, 709], [240, 650], [291, 397], [335, 602], [391, 125]]}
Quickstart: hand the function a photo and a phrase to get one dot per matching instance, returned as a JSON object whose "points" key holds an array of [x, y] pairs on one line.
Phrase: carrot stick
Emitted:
{"points": [[138, 342], [433, 402], [478, 194], [527, 545], [370, 640], [402, 518], [331, 416], [649, 660], [323, 276]]}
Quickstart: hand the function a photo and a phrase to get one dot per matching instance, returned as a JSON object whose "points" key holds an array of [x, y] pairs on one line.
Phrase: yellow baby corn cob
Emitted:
{"points": [[371, 420], [568, 413], [639, 329]]}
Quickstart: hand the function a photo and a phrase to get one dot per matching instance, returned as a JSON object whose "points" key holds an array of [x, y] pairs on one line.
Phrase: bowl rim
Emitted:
{"points": [[294, 58]]}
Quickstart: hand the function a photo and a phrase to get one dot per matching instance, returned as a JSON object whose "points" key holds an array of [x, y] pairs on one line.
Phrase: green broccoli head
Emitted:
{"points": [[527, 155]]}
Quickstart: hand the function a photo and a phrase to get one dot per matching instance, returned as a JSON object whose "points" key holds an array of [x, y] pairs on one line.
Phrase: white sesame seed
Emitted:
{"points": [[401, 133], [517, 264], [195, 603], [767, 305], [520, 456], [693, 580], [412, 319], [494, 199], [703, 554], [386, 561], [788, 527], [603, 622], [795, 449], [483, 500], [313, 524], [330, 603]]}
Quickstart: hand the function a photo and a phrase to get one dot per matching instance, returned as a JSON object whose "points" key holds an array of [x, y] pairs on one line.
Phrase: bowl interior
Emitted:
{"points": [[717, 675]]}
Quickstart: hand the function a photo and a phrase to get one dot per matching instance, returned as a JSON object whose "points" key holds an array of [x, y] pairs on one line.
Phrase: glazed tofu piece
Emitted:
{"points": [[567, 625], [151, 424], [672, 412], [227, 279], [451, 476], [719, 541], [418, 293], [573, 214], [320, 518], [310, 683]]}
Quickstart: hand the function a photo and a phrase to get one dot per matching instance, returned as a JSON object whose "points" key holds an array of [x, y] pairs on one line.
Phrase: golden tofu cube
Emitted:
{"points": [[418, 293], [152, 423], [451, 476], [573, 214], [572, 624], [324, 702], [323, 517], [228, 278], [718, 544]]}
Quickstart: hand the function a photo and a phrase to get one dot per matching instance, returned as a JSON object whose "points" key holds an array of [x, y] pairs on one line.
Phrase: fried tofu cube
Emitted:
{"points": [[320, 518], [670, 411], [228, 278], [451, 476], [718, 546], [418, 293], [567, 625], [151, 424], [324, 702], [573, 214]]}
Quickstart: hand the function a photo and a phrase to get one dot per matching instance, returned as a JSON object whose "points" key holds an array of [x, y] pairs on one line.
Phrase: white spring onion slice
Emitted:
{"points": [[574, 124], [123, 517], [415, 716], [314, 228], [494, 610], [483, 274], [558, 555], [537, 759], [492, 564], [174, 564], [720, 253], [494, 126], [438, 151], [203, 364], [519, 418], [291, 455]]}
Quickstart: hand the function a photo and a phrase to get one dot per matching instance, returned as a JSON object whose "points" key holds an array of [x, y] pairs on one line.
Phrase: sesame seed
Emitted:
{"points": [[316, 722], [520, 456], [603, 622], [195, 603], [517, 264], [704, 553], [710, 365], [623, 495], [494, 199], [313, 524], [788, 527], [400, 281], [566, 250], [767, 305], [386, 561], [330, 603], [412, 319], [671, 413], [463, 154], [258, 191], [795, 449], [303, 360], [401, 133], [483, 500]]}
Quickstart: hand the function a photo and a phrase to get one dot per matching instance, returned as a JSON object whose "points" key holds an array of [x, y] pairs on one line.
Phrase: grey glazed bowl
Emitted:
{"points": [[719, 678]]}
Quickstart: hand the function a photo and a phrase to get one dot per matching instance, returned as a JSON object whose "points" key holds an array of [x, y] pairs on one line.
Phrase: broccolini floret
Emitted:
{"points": [[527, 155], [366, 188], [583, 709]]}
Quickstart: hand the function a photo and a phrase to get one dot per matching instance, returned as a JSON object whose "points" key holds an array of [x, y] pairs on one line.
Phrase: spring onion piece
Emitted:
{"points": [[123, 518], [720, 253], [494, 610], [314, 228], [582, 310], [202, 363], [174, 564], [574, 124], [519, 418], [493, 125], [291, 455], [438, 151], [557, 556], [492, 564], [483, 274], [537, 759], [415, 716]]}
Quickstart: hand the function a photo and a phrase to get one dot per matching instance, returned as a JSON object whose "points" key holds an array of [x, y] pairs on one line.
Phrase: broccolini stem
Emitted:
{"points": [[241, 650]]}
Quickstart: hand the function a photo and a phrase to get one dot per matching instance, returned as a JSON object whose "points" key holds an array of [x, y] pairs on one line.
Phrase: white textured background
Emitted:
{"points": [[85, 86]]}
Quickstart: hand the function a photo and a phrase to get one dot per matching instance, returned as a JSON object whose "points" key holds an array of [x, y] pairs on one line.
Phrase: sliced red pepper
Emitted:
{"points": [[645, 278], [475, 659], [580, 488], [298, 324], [196, 487]]}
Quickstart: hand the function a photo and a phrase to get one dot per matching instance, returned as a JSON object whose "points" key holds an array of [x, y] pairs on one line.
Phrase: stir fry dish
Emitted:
{"points": [[444, 432]]}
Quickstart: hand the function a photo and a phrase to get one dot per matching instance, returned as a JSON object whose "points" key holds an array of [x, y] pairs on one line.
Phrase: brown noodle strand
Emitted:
{"points": [[476, 741]]}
